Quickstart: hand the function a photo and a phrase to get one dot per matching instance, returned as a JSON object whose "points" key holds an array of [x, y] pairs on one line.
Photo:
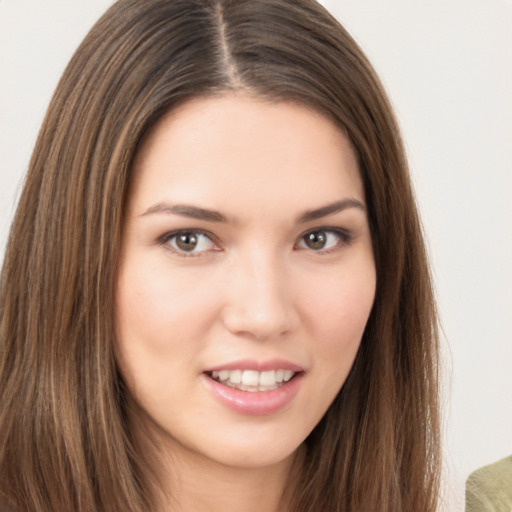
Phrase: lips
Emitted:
{"points": [[252, 388]]}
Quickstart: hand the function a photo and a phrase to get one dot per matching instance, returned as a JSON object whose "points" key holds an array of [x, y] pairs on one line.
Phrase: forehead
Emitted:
{"points": [[234, 148]]}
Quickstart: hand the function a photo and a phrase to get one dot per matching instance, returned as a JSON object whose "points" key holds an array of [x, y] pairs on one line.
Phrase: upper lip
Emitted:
{"points": [[259, 366]]}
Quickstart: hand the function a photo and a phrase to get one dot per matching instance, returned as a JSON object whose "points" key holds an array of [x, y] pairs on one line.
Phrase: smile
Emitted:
{"points": [[252, 392], [252, 380]]}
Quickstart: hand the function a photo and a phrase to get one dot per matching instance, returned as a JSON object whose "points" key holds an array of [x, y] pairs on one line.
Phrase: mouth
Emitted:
{"points": [[252, 380], [255, 388]]}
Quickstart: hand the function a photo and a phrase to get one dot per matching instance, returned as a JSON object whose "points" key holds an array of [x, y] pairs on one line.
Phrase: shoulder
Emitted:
{"points": [[489, 489]]}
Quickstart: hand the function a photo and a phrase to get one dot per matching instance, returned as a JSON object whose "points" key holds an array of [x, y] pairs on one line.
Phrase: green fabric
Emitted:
{"points": [[489, 489]]}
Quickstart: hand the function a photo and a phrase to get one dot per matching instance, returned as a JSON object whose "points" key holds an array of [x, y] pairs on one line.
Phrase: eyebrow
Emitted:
{"points": [[184, 210], [195, 212], [331, 209]]}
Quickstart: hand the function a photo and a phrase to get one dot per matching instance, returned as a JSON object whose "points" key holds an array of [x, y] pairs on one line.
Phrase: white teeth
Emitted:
{"points": [[252, 380], [268, 378], [235, 376], [288, 374], [223, 374]]}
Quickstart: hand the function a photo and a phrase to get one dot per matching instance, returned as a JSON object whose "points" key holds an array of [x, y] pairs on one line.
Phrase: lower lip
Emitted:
{"points": [[258, 403]]}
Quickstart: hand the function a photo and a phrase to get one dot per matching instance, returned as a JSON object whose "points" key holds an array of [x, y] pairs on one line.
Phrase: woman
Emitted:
{"points": [[215, 293]]}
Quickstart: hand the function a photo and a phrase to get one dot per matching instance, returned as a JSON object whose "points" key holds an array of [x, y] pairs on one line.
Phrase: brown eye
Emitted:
{"points": [[315, 240], [189, 243], [324, 239], [186, 242]]}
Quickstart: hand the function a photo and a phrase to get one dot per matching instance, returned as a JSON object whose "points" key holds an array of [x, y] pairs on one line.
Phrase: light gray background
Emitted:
{"points": [[447, 67]]}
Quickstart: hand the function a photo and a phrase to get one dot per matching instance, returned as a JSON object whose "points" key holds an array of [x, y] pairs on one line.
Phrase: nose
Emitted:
{"points": [[260, 299]]}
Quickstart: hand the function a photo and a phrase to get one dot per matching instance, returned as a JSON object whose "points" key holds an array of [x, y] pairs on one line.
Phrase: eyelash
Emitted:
{"points": [[344, 239]]}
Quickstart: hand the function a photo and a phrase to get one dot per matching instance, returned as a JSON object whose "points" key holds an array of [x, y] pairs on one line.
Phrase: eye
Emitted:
{"points": [[325, 239], [189, 242]]}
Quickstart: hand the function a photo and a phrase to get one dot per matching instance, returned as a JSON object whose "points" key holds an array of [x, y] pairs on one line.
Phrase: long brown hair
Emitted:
{"points": [[65, 441]]}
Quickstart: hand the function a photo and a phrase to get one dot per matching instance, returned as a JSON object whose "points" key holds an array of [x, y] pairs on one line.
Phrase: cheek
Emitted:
{"points": [[141, 315], [337, 312], [158, 304], [339, 309], [158, 331], [157, 321]]}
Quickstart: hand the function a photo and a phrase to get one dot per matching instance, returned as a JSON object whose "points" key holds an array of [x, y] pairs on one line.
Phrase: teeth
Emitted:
{"points": [[249, 378], [288, 374], [223, 375], [252, 380], [235, 376], [267, 378]]}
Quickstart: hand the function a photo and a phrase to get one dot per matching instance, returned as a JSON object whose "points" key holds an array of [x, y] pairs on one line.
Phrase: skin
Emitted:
{"points": [[252, 288]]}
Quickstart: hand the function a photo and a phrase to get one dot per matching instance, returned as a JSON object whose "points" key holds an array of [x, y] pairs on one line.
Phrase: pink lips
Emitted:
{"points": [[258, 403]]}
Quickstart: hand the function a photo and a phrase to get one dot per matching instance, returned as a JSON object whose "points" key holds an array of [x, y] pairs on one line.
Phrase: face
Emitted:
{"points": [[246, 277]]}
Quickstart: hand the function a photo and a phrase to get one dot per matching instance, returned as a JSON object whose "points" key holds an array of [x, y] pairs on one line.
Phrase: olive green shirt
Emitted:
{"points": [[489, 489]]}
